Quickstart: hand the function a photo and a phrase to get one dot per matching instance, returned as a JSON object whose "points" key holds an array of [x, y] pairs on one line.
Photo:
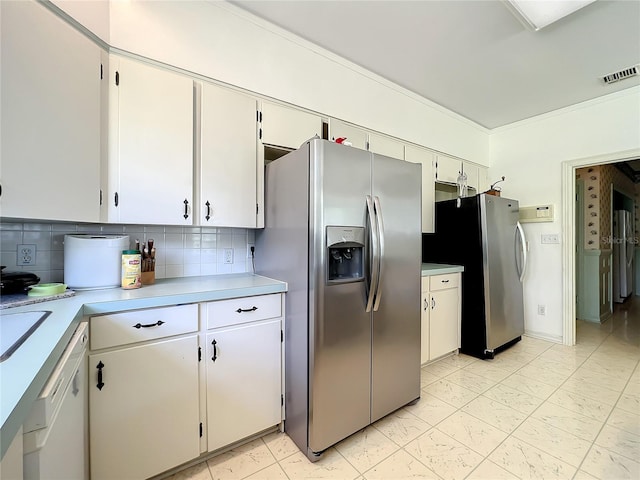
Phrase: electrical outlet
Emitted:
{"points": [[228, 255], [249, 247], [26, 254], [550, 238], [542, 310]]}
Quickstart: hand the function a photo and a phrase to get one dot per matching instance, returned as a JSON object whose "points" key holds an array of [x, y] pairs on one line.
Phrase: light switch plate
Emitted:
{"points": [[550, 238]]}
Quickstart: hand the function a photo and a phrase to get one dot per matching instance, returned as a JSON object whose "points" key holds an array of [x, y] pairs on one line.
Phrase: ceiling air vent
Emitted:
{"points": [[622, 74]]}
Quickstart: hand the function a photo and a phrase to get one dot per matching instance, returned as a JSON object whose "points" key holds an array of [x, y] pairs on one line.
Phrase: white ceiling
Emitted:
{"points": [[472, 56]]}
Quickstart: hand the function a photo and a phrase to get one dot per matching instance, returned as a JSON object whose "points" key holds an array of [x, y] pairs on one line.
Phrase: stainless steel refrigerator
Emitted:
{"points": [[623, 251], [483, 234], [342, 228]]}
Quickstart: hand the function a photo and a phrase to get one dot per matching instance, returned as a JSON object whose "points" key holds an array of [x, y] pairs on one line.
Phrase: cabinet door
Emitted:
{"points": [[243, 365], [357, 136], [424, 321], [425, 158], [483, 179], [152, 159], [447, 169], [50, 113], [144, 419], [229, 158], [471, 171], [443, 322], [287, 127], [386, 146]]}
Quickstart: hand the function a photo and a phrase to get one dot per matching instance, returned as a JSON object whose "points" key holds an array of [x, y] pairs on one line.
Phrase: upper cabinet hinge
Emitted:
{"points": [[117, 78]]}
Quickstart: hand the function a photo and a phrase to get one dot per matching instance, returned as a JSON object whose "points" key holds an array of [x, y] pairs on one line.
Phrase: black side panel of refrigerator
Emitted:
{"points": [[458, 241]]}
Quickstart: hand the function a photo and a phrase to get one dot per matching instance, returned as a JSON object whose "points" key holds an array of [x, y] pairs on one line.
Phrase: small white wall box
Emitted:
{"points": [[539, 213]]}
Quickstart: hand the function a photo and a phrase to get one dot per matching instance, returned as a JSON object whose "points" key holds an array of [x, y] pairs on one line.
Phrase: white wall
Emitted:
{"points": [[225, 43], [530, 155]]}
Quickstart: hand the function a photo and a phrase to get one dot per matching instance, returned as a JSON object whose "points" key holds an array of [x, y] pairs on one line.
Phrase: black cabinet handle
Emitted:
{"points": [[215, 350], [444, 281], [186, 209], [100, 384], [157, 324], [252, 309], [208, 216]]}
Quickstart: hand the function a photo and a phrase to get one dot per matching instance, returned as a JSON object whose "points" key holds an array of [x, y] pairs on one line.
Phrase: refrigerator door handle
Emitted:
{"points": [[378, 211], [523, 242], [374, 258]]}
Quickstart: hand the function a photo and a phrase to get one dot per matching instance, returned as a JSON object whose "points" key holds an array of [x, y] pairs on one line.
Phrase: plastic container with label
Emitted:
{"points": [[131, 269]]}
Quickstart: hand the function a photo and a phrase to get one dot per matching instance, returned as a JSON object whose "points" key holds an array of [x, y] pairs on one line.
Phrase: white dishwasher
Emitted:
{"points": [[55, 433]]}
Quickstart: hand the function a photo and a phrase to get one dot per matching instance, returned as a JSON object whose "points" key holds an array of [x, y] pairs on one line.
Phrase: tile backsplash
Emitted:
{"points": [[180, 251]]}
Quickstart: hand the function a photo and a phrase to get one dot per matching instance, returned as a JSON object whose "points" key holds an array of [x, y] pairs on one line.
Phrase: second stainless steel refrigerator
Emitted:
{"points": [[483, 234], [342, 228]]}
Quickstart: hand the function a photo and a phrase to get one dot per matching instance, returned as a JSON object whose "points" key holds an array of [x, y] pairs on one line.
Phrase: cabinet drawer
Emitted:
{"points": [[440, 282], [142, 325], [242, 310]]}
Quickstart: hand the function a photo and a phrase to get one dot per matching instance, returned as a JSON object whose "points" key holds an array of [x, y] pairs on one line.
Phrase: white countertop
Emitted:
{"points": [[24, 373], [429, 269]]}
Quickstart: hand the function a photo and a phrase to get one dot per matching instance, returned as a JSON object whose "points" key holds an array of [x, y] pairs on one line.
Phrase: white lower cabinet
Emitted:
{"points": [[159, 397], [441, 315], [243, 358], [144, 415], [424, 320], [243, 381]]}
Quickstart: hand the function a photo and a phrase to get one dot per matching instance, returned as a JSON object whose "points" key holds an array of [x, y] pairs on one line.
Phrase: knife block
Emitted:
{"points": [[148, 278]]}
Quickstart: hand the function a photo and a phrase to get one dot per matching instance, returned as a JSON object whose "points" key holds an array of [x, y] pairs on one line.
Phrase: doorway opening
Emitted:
{"points": [[569, 217]]}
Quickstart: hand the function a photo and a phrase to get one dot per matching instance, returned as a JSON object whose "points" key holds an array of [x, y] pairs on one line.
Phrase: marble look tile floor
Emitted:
{"points": [[539, 410]]}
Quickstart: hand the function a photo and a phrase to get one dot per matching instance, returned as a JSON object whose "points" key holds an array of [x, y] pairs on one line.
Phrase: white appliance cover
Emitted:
{"points": [[93, 261]]}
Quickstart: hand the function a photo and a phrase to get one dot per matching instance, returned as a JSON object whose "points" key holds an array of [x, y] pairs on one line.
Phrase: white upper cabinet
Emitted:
{"points": [[50, 111], [471, 171], [150, 160], [483, 179], [230, 166], [447, 169], [287, 127], [386, 146], [425, 158], [355, 135]]}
